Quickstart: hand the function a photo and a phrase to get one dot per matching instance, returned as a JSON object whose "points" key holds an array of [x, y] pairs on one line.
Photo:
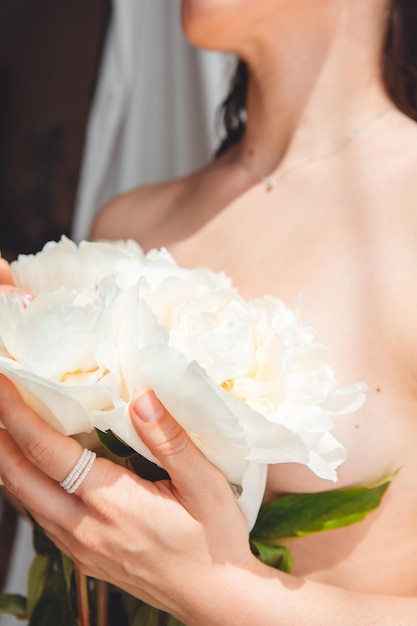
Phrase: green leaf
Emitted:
{"points": [[68, 569], [115, 445], [172, 621], [53, 608], [146, 469], [133, 460], [147, 616], [40, 568], [130, 605], [13, 604], [142, 614], [42, 544], [303, 514], [275, 556]]}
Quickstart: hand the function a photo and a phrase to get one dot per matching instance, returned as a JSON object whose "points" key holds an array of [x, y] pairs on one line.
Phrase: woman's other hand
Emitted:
{"points": [[6, 280]]}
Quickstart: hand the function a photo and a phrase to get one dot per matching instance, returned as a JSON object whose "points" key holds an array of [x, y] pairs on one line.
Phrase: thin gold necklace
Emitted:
{"points": [[271, 181]]}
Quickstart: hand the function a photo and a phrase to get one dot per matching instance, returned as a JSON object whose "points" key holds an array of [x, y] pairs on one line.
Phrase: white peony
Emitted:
{"points": [[244, 379]]}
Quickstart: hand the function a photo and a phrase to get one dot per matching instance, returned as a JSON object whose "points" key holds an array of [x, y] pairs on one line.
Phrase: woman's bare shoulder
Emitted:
{"points": [[138, 213], [159, 215]]}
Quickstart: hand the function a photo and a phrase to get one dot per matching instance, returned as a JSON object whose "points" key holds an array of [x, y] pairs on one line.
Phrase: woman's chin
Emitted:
{"points": [[208, 25]]}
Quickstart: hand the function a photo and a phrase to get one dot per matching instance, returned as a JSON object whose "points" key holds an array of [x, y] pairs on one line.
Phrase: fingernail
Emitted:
{"points": [[148, 408]]}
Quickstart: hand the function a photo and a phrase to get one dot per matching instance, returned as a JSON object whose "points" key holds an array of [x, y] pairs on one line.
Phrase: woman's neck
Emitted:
{"points": [[315, 81]]}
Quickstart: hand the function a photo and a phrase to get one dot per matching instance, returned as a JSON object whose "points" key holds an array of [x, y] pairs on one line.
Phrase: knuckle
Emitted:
{"points": [[12, 471], [101, 509], [38, 453], [175, 443], [86, 540], [88, 551], [11, 481]]}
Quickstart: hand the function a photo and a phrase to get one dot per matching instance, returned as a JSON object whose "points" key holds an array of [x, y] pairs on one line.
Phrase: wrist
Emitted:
{"points": [[231, 594]]}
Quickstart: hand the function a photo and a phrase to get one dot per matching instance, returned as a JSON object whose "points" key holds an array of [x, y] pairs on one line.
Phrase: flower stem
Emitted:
{"points": [[82, 598], [102, 603]]}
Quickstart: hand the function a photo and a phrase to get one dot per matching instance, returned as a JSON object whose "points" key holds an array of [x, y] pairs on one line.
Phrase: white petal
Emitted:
{"points": [[253, 489], [65, 408], [63, 264], [346, 400]]}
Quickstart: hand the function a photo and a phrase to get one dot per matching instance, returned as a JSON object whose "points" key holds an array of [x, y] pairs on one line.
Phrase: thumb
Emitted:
{"points": [[194, 478]]}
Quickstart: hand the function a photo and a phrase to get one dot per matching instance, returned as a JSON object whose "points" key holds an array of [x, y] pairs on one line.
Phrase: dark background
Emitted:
{"points": [[49, 58]]}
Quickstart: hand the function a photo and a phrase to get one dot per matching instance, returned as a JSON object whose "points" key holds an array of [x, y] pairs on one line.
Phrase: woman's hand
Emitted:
{"points": [[6, 280], [180, 545], [7, 286], [164, 542]]}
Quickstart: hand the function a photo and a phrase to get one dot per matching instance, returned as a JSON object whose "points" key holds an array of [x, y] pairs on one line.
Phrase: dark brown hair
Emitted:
{"points": [[399, 70], [399, 60]]}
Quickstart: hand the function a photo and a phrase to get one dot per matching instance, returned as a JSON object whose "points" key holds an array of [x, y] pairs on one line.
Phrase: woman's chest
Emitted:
{"points": [[345, 291]]}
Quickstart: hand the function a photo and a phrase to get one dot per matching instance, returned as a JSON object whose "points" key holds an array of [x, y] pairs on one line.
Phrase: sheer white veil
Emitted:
{"points": [[153, 116]]}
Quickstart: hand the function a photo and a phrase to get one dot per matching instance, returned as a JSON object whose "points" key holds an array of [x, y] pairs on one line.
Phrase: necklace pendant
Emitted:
{"points": [[270, 183]]}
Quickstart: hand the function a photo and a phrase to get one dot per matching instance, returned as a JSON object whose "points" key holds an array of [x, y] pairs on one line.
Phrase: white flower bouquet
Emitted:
{"points": [[106, 322], [245, 379]]}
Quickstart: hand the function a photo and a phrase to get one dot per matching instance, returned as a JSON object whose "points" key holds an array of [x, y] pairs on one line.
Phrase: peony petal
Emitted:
{"points": [[243, 378], [347, 400], [65, 408], [253, 489], [64, 264], [225, 428]]}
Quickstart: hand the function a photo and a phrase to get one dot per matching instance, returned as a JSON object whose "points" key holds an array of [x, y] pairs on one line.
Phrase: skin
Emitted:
{"points": [[6, 279], [340, 228]]}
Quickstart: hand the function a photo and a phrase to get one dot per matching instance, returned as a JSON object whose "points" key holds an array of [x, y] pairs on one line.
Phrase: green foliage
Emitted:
{"points": [[274, 556], [13, 604], [148, 616], [68, 569], [42, 544], [303, 514], [131, 459], [115, 445], [49, 584], [52, 607], [39, 571], [173, 622]]}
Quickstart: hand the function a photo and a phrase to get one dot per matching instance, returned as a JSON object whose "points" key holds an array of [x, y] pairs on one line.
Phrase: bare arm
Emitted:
{"points": [[259, 594], [180, 545], [133, 214]]}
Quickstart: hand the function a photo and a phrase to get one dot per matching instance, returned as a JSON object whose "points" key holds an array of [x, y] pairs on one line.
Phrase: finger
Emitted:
{"points": [[35, 490], [52, 453], [190, 472]]}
